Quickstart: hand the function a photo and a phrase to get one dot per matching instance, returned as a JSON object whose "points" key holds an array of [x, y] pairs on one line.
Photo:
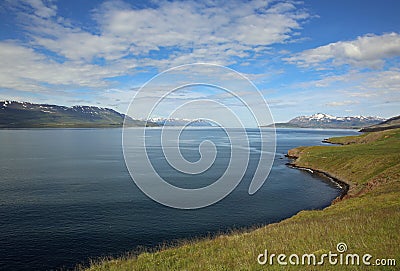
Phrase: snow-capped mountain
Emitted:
{"points": [[179, 122], [321, 117], [392, 123], [25, 115], [321, 120]]}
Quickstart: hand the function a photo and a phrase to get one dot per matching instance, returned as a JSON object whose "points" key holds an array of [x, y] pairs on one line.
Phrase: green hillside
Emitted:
{"points": [[392, 123]]}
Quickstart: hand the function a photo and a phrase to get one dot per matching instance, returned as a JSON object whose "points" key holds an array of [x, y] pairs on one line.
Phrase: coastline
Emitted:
{"points": [[343, 185], [354, 221]]}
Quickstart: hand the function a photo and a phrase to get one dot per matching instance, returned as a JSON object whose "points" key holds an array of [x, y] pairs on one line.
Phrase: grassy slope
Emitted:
{"points": [[367, 222], [391, 123]]}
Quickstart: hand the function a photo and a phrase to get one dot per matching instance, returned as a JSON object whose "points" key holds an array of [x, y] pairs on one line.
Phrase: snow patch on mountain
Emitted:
{"points": [[180, 122], [321, 120], [327, 118]]}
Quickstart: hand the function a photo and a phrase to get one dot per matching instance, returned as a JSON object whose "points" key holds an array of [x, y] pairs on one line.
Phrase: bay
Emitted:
{"points": [[66, 195]]}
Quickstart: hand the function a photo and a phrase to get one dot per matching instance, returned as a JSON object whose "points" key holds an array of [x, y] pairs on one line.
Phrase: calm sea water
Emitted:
{"points": [[66, 195]]}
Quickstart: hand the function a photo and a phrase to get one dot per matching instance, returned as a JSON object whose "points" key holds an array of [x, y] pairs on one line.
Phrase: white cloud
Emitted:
{"points": [[231, 29], [383, 81], [25, 69], [365, 92], [342, 103], [366, 51], [65, 53], [361, 83], [42, 9]]}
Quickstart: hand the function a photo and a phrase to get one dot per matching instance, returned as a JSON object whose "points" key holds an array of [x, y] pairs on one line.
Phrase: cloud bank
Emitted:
{"points": [[366, 51], [124, 37]]}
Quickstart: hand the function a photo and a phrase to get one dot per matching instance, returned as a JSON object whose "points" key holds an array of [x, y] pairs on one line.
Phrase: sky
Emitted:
{"points": [[337, 57]]}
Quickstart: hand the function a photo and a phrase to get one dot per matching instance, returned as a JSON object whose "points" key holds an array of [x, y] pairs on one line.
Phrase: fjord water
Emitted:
{"points": [[66, 195]]}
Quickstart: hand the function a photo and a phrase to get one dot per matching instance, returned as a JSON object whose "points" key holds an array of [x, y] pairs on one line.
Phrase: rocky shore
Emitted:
{"points": [[344, 186]]}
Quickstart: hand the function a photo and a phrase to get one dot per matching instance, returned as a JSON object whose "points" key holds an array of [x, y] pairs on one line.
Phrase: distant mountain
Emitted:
{"points": [[14, 114], [391, 123], [181, 122], [321, 120]]}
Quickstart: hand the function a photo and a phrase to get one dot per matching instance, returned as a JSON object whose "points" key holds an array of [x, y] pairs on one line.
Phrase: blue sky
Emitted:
{"points": [[337, 57]]}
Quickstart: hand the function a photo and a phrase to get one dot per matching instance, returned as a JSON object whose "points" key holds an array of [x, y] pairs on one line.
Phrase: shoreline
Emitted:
{"points": [[344, 186], [355, 218]]}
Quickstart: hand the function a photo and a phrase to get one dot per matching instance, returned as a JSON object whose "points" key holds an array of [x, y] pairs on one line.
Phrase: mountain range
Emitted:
{"points": [[391, 123], [321, 120], [180, 122], [14, 114]]}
